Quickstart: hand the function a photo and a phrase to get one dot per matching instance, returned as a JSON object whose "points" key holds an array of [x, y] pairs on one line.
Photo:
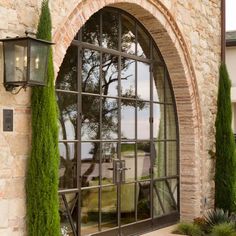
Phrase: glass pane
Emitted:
{"points": [[128, 119], [158, 83], [143, 124], [128, 154], [38, 59], [155, 54], [90, 155], [143, 46], [90, 71], [109, 207], [90, 120], [144, 200], [171, 158], [68, 205], [127, 203], [91, 30], [67, 76], [68, 163], [110, 30], [170, 122], [109, 153], [143, 83], [68, 114], [168, 93], [110, 75], [16, 58], [109, 118], [165, 197], [127, 35], [159, 159], [173, 186], [143, 160], [158, 121], [127, 78], [89, 211]]}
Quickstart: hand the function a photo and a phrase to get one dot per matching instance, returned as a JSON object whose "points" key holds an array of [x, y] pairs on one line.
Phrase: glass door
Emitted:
{"points": [[118, 136]]}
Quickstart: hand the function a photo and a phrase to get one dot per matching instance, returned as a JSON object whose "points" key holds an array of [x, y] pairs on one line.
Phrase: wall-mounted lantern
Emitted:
{"points": [[25, 62]]}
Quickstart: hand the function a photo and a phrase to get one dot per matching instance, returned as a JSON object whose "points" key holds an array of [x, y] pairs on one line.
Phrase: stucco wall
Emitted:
{"points": [[193, 28], [230, 61]]}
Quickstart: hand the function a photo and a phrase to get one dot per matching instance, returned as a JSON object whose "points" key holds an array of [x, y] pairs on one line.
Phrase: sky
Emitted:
{"points": [[230, 15]]}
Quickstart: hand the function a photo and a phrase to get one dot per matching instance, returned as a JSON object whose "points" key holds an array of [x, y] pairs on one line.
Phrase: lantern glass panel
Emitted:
{"points": [[15, 61], [38, 62]]}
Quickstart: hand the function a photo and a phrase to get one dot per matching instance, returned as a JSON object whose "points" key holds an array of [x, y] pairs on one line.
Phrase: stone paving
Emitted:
{"points": [[163, 232]]}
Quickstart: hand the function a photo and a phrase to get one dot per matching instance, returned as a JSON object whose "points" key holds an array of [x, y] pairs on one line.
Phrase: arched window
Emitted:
{"points": [[118, 136]]}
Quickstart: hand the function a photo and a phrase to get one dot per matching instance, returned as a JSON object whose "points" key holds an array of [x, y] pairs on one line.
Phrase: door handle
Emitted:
{"points": [[118, 171], [123, 168]]}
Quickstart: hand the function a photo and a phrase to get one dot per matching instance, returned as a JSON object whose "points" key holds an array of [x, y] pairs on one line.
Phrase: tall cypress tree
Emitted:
{"points": [[42, 172], [225, 175]]}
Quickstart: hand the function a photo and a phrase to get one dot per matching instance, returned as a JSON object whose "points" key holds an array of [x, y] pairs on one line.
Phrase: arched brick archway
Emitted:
{"points": [[165, 32]]}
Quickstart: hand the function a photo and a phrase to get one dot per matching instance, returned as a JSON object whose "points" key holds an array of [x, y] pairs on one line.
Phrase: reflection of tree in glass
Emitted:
{"points": [[91, 77], [91, 124], [90, 127], [67, 80], [67, 76], [110, 30], [90, 71], [91, 30], [67, 112], [127, 35]]}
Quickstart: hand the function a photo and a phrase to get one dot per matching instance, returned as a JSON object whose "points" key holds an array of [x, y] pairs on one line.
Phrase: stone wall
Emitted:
{"points": [[188, 35]]}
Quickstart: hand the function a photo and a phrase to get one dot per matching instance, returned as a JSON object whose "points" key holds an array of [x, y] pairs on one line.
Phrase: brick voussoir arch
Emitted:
{"points": [[160, 23]]}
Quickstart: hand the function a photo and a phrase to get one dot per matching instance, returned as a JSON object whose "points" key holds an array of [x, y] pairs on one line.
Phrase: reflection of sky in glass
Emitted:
{"points": [[71, 150], [143, 85], [110, 119], [128, 78], [86, 149], [128, 122], [70, 129], [143, 125]]}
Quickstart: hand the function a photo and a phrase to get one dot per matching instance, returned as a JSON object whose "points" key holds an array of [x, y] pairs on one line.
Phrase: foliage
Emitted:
{"points": [[214, 223], [42, 172], [217, 216], [201, 222], [225, 147], [224, 229], [188, 229]]}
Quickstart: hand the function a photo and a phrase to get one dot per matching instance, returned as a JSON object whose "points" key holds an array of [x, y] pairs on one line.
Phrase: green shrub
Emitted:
{"points": [[42, 171], [188, 229], [225, 229], [225, 174]]}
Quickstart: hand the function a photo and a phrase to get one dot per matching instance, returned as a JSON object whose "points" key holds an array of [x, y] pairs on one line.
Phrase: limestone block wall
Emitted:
{"points": [[188, 33]]}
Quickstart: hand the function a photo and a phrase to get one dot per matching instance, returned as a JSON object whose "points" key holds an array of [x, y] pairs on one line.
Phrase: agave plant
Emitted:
{"points": [[217, 216]]}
